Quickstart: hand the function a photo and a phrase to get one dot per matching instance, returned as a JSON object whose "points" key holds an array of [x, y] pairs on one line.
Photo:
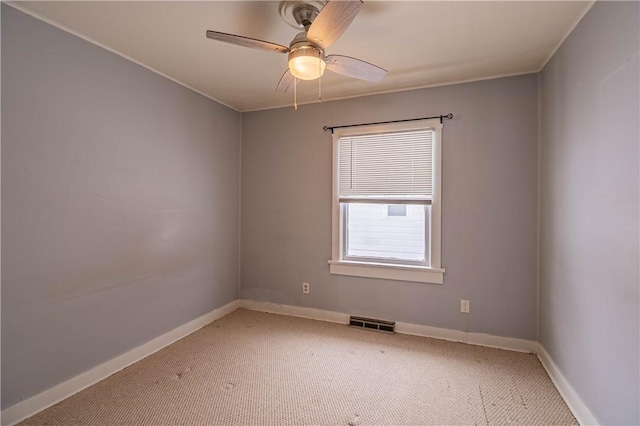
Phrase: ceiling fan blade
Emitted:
{"points": [[356, 68], [246, 41], [332, 21], [286, 82]]}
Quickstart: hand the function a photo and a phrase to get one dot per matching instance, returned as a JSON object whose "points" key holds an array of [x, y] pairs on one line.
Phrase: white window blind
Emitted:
{"points": [[387, 167]]}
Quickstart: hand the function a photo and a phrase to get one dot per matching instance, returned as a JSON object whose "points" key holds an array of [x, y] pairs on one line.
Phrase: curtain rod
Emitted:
{"points": [[441, 117]]}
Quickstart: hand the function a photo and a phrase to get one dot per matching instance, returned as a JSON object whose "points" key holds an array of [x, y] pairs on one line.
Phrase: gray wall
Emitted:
{"points": [[589, 211], [489, 208], [120, 194]]}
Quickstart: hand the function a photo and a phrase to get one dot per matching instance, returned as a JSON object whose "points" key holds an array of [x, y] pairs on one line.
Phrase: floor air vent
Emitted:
{"points": [[373, 324]]}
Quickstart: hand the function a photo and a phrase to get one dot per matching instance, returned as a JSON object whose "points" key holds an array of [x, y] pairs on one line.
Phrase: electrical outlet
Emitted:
{"points": [[305, 288], [464, 306]]}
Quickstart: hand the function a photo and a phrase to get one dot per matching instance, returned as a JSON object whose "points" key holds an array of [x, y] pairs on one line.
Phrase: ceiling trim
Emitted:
{"points": [[407, 89], [90, 40], [561, 42]]}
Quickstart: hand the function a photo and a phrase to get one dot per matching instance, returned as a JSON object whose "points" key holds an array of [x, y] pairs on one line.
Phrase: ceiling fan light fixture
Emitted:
{"points": [[307, 63]]}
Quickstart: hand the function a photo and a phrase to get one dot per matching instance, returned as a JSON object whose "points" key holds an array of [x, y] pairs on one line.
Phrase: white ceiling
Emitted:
{"points": [[420, 43]]}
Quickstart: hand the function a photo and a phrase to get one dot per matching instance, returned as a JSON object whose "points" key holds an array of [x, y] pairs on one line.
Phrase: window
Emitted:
{"points": [[386, 201]]}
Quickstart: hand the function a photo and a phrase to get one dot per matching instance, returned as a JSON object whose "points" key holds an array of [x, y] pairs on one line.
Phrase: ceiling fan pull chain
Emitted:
{"points": [[295, 94], [320, 83]]}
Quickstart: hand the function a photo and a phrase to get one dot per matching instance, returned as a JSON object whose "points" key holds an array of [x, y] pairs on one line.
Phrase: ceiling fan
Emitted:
{"points": [[323, 23]]}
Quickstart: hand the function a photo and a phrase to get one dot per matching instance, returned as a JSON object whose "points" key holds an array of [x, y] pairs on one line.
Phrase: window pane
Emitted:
{"points": [[373, 232]]}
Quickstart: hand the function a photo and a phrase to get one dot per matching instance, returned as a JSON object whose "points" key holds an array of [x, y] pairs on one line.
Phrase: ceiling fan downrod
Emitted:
{"points": [[304, 14]]}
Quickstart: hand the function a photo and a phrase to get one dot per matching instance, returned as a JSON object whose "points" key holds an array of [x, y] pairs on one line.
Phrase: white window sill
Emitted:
{"points": [[387, 271]]}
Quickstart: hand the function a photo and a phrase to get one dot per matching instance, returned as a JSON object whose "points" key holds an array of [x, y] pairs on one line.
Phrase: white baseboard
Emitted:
{"points": [[295, 311], [479, 339], [37, 403], [573, 400]]}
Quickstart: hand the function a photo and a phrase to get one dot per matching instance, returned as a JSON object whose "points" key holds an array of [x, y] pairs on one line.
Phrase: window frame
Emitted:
{"points": [[392, 271]]}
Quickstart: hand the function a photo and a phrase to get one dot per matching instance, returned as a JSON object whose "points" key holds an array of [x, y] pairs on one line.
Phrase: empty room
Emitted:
{"points": [[320, 212]]}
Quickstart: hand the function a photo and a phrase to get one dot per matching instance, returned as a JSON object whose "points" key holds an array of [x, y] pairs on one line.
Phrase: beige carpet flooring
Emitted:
{"points": [[257, 368]]}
